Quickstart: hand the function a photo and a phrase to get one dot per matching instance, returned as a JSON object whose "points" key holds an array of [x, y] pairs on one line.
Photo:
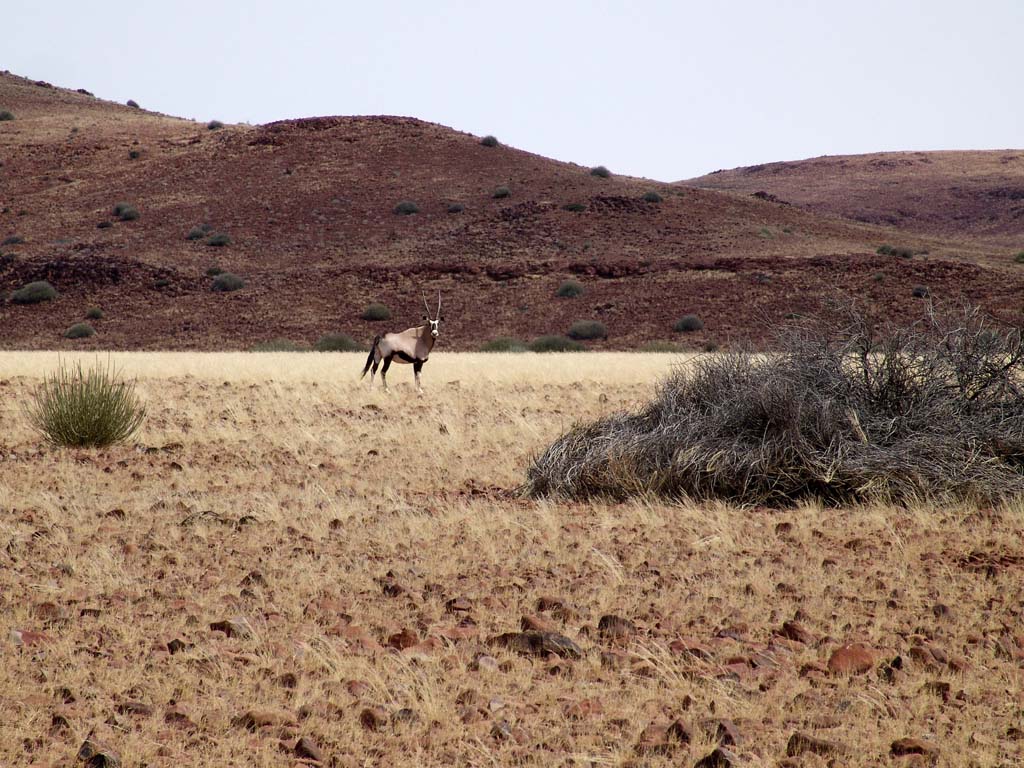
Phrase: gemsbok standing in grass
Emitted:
{"points": [[412, 345]]}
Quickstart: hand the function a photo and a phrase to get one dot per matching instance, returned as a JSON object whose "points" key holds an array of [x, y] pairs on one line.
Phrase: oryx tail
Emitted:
{"points": [[369, 359]]}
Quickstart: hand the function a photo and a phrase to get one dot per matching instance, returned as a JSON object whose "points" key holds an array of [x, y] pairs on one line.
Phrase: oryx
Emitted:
{"points": [[412, 345]]}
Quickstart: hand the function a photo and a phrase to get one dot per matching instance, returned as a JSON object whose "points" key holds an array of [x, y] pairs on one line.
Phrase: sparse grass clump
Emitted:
{"points": [[74, 407], [225, 282], [920, 292], [134, 154], [600, 171], [337, 342], [218, 240], [555, 344], [376, 311], [34, 293], [574, 207], [503, 344], [132, 103], [12, 240], [198, 232], [456, 208], [588, 330], [845, 412], [661, 346], [6, 114], [214, 271], [79, 331], [688, 324], [94, 313], [278, 345], [489, 141], [214, 125], [570, 289], [501, 193], [652, 197], [406, 208], [1019, 258]]}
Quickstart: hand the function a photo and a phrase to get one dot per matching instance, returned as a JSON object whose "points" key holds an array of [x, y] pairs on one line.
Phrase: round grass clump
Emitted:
{"points": [[588, 330], [570, 289], [489, 141], [6, 114], [215, 125], [218, 240], [79, 331], [574, 207], [501, 192], [198, 232], [75, 407], [337, 342], [278, 345], [406, 208], [94, 313], [1019, 258], [12, 240], [503, 344], [600, 171], [555, 344], [688, 324], [456, 208], [652, 197], [376, 311], [920, 292], [34, 293], [125, 212], [226, 282]]}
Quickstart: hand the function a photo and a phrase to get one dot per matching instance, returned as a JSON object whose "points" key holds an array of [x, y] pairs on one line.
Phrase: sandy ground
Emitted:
{"points": [[283, 566]]}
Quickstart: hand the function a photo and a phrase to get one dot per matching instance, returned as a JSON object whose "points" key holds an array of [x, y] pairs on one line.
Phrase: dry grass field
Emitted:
{"points": [[281, 556]]}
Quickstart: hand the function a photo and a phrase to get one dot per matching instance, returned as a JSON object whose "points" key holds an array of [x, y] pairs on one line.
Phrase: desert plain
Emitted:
{"points": [[283, 568]]}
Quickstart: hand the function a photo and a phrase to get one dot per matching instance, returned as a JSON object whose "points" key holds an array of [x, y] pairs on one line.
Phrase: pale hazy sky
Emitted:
{"points": [[666, 90]]}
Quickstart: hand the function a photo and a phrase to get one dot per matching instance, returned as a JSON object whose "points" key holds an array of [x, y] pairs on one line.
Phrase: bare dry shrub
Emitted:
{"points": [[848, 411]]}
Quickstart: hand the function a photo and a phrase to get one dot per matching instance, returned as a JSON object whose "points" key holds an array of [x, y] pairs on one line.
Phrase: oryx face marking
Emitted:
{"points": [[412, 345]]}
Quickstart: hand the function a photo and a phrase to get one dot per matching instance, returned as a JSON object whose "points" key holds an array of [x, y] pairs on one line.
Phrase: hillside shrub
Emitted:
{"points": [[652, 197], [376, 311], [847, 411], [134, 154], [501, 192], [1019, 258], [688, 324], [214, 125], [225, 282], [890, 250], [570, 289], [456, 208], [574, 207], [587, 329], [94, 313], [406, 208], [198, 232], [79, 331], [132, 103], [125, 212], [503, 344], [12, 240], [600, 171], [34, 293], [6, 114], [214, 271], [337, 342], [218, 240], [920, 292], [555, 344], [104, 225], [660, 346], [489, 141], [75, 407]]}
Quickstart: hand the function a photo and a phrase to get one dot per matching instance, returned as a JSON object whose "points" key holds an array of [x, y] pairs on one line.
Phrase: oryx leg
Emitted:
{"points": [[373, 369], [416, 367], [384, 372]]}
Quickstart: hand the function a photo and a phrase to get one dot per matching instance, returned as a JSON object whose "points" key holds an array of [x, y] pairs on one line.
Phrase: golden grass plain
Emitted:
{"points": [[338, 522]]}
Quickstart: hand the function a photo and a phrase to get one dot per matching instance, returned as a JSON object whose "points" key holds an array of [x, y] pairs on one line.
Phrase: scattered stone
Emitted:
{"points": [[793, 630], [851, 659], [538, 644], [373, 718], [723, 732], [134, 708], [307, 749], [407, 638], [484, 662], [685, 647], [557, 607], [583, 709], [720, 758], [501, 731], [179, 718], [912, 746], [662, 738], [288, 680], [458, 605], [96, 754], [29, 638], [405, 715], [537, 624], [800, 743], [236, 626], [255, 719], [177, 645], [613, 627]]}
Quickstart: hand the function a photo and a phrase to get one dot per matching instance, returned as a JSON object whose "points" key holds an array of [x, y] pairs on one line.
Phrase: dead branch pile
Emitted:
{"points": [[848, 411]]}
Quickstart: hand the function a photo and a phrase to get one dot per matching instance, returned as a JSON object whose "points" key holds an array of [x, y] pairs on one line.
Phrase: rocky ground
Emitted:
{"points": [[284, 569]]}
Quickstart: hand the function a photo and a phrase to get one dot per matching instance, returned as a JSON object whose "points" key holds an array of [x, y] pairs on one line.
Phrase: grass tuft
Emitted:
{"points": [[406, 208], [79, 331], [588, 329], [688, 324], [501, 192], [75, 407], [337, 342], [504, 344], [34, 293], [489, 141], [570, 289], [225, 282], [600, 171], [555, 344], [376, 311]]}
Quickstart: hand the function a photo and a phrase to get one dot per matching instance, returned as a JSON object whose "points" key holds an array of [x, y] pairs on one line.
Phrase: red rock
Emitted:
{"points": [[458, 605], [537, 624], [236, 626], [720, 758], [96, 754], [583, 709], [613, 627], [135, 708], [357, 688], [261, 718], [851, 659], [28, 638], [793, 630], [801, 743], [373, 718], [686, 647], [179, 718], [404, 639], [307, 748], [912, 746]]}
